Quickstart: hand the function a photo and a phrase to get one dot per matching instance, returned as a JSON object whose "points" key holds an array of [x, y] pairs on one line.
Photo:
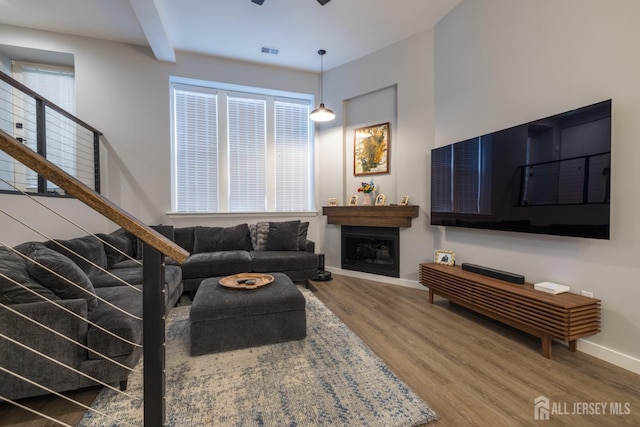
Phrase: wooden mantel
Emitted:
{"points": [[371, 216]]}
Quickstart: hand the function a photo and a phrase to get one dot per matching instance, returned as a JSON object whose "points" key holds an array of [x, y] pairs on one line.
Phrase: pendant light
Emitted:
{"points": [[322, 114]]}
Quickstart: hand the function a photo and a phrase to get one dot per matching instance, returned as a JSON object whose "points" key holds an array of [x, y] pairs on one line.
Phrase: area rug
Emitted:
{"points": [[331, 378]]}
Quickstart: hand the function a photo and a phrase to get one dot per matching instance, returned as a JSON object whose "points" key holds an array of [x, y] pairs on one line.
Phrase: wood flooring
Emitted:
{"points": [[471, 370]]}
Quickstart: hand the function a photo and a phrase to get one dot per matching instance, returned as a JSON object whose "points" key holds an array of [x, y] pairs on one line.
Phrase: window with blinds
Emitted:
{"points": [[239, 151]]}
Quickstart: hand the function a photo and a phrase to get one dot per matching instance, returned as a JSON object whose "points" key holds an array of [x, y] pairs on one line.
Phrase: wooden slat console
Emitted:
{"points": [[564, 316]]}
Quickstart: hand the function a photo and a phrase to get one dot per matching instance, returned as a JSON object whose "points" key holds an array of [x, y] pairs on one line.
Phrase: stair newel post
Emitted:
{"points": [[154, 337]]}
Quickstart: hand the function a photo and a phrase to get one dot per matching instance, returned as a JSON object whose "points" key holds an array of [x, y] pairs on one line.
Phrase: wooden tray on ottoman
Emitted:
{"points": [[237, 281]]}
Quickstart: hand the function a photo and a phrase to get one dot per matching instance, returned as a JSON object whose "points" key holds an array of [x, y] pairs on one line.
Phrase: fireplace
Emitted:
{"points": [[373, 250]]}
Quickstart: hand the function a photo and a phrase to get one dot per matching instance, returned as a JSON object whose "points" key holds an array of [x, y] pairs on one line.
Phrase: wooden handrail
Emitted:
{"points": [[86, 195]]}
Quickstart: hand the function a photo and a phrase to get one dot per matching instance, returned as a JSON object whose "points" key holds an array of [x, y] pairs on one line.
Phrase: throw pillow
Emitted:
{"points": [[236, 238], [262, 232], [13, 270], [118, 246], [86, 252], [184, 238], [283, 236], [207, 239], [252, 234], [49, 265], [302, 236], [216, 239]]}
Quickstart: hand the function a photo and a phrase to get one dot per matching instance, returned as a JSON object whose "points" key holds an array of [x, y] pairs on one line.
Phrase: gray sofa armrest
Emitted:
{"points": [[311, 246], [31, 365]]}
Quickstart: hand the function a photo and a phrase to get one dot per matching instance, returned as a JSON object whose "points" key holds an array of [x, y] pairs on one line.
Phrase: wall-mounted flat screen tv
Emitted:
{"points": [[549, 176]]}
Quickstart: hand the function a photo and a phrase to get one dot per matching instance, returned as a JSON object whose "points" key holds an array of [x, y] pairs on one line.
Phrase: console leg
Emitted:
{"points": [[573, 345], [547, 341], [430, 296]]}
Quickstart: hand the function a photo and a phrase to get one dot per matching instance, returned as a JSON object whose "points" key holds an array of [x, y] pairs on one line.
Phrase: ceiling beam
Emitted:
{"points": [[149, 18]]}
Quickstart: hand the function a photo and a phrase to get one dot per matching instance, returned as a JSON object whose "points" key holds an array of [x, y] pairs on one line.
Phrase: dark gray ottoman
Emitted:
{"points": [[226, 319]]}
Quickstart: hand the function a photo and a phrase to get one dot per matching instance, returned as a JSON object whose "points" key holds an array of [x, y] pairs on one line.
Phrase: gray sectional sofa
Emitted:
{"points": [[77, 305], [215, 251], [260, 248]]}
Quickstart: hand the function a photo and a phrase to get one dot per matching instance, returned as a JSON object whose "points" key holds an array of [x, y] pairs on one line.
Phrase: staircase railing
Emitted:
{"points": [[52, 132], [156, 247]]}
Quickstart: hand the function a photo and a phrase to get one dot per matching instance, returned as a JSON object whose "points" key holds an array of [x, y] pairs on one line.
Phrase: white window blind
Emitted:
{"points": [[196, 151], [247, 155], [58, 86], [293, 150], [254, 150]]}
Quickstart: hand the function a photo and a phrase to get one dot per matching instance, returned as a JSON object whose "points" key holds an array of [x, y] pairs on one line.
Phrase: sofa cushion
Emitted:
{"points": [[269, 261], [215, 239], [210, 264], [118, 246], [117, 277], [133, 276], [14, 267], [89, 251], [115, 321], [49, 265]]}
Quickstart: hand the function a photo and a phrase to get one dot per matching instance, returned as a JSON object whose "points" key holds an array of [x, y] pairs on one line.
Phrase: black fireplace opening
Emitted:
{"points": [[373, 250]]}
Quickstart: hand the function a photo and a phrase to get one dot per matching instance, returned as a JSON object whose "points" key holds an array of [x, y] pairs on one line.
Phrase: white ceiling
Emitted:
{"points": [[238, 29]]}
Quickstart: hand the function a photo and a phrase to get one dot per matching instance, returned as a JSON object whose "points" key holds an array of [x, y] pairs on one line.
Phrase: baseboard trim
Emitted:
{"points": [[609, 355], [377, 278], [596, 350]]}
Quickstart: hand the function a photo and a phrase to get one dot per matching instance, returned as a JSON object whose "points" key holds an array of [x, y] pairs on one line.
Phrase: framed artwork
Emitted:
{"points": [[445, 257], [404, 201], [371, 150], [333, 201], [353, 200], [380, 200]]}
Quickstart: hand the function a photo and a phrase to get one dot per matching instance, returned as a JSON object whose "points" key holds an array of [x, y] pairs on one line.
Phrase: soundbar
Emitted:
{"points": [[496, 274]]}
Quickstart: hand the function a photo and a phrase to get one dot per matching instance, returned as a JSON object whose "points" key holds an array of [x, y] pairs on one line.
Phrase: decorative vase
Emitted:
{"points": [[366, 199]]}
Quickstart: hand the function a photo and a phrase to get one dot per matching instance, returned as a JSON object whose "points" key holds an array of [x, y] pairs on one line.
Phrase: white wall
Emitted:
{"points": [[124, 92], [392, 85], [501, 63]]}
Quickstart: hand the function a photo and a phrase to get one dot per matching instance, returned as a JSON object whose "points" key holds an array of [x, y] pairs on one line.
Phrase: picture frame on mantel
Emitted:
{"points": [[371, 149]]}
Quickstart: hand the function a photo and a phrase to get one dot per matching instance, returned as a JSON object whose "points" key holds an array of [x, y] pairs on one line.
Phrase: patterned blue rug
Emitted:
{"points": [[331, 378]]}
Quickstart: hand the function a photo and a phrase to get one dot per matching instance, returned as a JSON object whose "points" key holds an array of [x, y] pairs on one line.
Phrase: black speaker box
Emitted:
{"points": [[518, 279]]}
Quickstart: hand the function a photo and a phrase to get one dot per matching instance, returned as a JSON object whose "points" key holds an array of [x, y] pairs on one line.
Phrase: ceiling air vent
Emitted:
{"points": [[270, 50]]}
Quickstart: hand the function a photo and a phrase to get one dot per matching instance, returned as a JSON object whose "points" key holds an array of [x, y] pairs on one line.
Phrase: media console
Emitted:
{"points": [[564, 316]]}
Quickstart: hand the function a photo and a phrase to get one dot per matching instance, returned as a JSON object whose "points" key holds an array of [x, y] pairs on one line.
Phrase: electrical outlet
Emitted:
{"points": [[586, 294]]}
